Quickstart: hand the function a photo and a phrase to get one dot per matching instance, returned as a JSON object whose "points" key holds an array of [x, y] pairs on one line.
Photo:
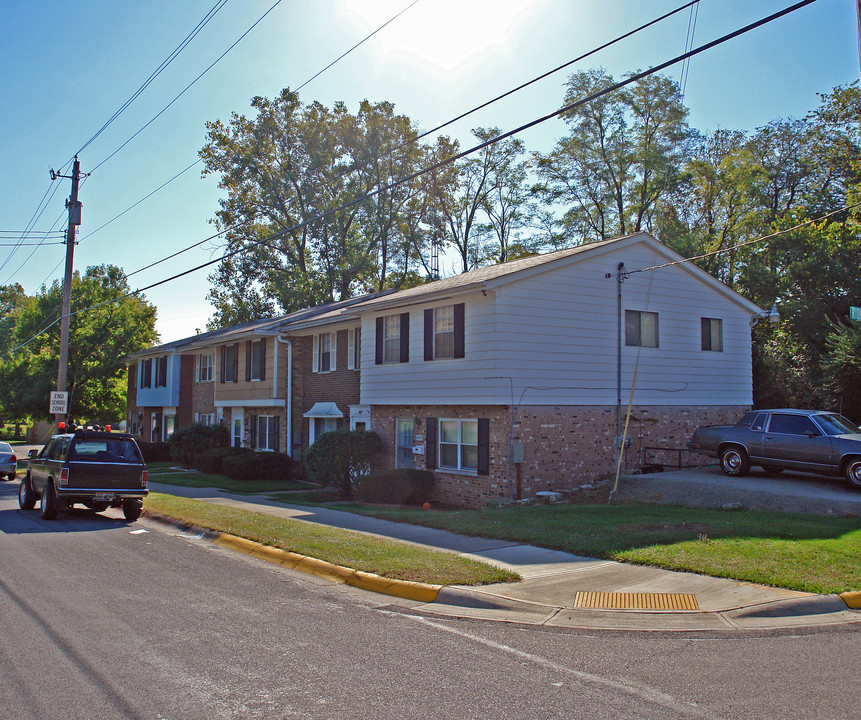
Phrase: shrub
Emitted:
{"points": [[246, 466], [339, 458], [154, 452], [211, 461], [396, 487], [191, 440]]}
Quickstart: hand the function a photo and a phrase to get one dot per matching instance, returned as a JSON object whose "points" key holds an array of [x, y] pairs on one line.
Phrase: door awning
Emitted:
{"points": [[324, 410]]}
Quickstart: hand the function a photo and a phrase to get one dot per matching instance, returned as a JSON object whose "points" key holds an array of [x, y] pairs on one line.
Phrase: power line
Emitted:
{"points": [[167, 61], [188, 87], [567, 108], [446, 124]]}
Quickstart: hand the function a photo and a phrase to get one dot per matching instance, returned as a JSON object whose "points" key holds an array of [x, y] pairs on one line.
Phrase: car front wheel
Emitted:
{"points": [[853, 472], [26, 496], [734, 461]]}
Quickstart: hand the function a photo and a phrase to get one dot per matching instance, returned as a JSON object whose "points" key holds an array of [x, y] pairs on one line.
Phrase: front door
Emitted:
{"points": [[405, 433], [238, 434]]}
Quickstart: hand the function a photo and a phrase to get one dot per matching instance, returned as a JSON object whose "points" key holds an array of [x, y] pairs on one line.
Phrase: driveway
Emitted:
{"points": [[709, 487]]}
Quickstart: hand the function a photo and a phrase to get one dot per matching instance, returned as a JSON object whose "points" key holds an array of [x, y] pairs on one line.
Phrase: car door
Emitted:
{"points": [[794, 441], [38, 466]]}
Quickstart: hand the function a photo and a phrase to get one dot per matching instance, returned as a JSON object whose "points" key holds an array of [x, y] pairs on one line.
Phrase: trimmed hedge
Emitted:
{"points": [[189, 441], [258, 466], [396, 487], [212, 461], [154, 452]]}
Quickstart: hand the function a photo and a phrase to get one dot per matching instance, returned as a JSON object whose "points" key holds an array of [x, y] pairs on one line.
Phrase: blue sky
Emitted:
{"points": [[69, 68]]}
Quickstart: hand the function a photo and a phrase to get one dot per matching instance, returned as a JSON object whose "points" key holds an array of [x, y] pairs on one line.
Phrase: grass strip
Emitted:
{"points": [[812, 553], [198, 479], [388, 558]]}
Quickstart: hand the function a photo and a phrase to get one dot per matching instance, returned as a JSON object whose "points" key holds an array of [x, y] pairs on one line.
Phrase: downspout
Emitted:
{"points": [[289, 345], [619, 280]]}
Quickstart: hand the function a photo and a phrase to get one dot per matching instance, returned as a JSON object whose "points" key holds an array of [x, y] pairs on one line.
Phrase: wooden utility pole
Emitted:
{"points": [[74, 220]]}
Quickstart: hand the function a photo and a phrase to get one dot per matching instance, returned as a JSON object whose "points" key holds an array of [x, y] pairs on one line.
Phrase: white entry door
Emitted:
{"points": [[238, 432]]}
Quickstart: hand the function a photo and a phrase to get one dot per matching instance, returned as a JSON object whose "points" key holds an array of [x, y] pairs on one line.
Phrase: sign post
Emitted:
{"points": [[59, 402]]}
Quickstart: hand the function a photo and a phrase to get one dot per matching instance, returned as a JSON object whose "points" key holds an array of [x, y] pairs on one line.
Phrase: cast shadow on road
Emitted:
{"points": [[14, 521]]}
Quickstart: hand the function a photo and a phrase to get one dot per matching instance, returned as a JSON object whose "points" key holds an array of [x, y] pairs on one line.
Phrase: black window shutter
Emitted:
{"points": [[430, 443], [277, 447], [222, 348], [263, 359], [405, 337], [236, 362], [483, 446], [379, 341], [253, 432], [429, 334], [459, 340], [247, 360]]}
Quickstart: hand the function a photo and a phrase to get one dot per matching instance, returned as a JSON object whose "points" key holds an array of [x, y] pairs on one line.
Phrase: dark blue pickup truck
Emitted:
{"points": [[807, 440], [95, 468]]}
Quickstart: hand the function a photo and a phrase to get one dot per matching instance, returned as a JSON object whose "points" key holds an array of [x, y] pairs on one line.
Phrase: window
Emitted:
{"points": [[267, 432], [230, 363], [792, 425], [255, 359], [324, 425], [444, 332], [146, 373], [354, 348], [393, 339], [325, 349], [712, 334], [204, 418], [205, 367], [641, 328], [458, 444], [161, 372]]}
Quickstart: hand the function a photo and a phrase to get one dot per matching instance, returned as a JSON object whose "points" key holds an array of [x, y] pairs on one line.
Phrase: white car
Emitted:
{"points": [[8, 462]]}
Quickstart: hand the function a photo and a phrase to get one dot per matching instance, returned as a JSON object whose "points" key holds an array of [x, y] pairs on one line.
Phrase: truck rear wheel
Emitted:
{"points": [[49, 504], [26, 496], [132, 509], [734, 461]]}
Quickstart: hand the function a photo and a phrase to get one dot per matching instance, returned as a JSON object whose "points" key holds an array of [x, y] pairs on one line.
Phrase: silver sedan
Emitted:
{"points": [[8, 462]]}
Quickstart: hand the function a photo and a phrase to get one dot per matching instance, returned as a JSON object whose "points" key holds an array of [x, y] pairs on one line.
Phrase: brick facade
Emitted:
{"points": [[563, 446]]}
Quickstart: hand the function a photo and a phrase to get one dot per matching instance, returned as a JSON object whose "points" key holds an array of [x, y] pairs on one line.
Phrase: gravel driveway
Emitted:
{"points": [[709, 487]]}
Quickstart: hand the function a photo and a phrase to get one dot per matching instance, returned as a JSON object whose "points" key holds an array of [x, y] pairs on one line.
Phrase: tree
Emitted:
{"points": [[622, 155], [315, 205], [104, 328], [842, 368]]}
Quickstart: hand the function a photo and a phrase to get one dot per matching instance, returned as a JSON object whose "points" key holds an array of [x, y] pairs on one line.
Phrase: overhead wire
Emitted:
{"points": [[469, 112], [567, 108]]}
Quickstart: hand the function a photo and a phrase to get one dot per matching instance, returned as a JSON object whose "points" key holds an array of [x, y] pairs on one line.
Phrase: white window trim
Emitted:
{"points": [[460, 444], [354, 350], [269, 419], [316, 354], [210, 367]]}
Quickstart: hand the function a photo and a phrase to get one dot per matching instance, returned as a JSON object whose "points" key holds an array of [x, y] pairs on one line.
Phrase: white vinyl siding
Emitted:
{"points": [[550, 338]]}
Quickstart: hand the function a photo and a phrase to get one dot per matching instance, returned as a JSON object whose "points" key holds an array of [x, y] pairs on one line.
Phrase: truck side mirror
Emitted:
{"points": [[33, 453]]}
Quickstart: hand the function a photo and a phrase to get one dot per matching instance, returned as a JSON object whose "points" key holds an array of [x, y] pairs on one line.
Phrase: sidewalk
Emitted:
{"points": [[564, 590]]}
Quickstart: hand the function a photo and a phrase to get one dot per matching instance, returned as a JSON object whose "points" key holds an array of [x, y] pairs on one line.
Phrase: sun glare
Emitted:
{"points": [[442, 33]]}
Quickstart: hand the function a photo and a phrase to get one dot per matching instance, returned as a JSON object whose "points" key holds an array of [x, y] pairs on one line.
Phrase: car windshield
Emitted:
{"points": [[834, 424], [5, 448]]}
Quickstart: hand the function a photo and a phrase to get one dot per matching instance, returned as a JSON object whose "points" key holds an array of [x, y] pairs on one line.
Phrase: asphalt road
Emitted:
{"points": [[101, 620]]}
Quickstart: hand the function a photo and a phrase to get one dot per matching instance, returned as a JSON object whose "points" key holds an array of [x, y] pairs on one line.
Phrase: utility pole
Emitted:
{"points": [[74, 220]]}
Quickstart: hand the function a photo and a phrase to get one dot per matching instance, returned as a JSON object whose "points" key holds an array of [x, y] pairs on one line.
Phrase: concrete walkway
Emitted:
{"points": [[560, 589]]}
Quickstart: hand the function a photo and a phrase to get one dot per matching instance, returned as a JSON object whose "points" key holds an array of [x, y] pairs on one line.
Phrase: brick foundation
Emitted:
{"points": [[563, 446]]}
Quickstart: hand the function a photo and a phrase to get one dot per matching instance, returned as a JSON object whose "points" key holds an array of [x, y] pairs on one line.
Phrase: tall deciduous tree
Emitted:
{"points": [[107, 328], [622, 155]]}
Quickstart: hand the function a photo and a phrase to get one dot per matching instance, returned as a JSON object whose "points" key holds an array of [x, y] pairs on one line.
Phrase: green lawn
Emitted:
{"points": [[812, 553], [163, 472], [389, 558]]}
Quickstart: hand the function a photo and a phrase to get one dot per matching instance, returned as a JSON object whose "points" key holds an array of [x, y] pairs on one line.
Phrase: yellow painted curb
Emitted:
{"points": [[406, 589], [399, 588], [852, 599]]}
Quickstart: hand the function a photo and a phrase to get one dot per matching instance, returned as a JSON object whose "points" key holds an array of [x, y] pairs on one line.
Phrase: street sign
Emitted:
{"points": [[59, 402], [854, 313]]}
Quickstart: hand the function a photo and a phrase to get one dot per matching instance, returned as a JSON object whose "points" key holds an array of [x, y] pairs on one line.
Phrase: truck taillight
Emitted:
{"points": [[64, 476], [143, 478]]}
